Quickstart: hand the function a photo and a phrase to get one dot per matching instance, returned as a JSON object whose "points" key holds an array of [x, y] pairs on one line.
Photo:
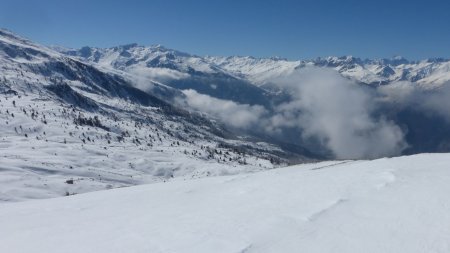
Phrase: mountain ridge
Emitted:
{"points": [[368, 71], [69, 127]]}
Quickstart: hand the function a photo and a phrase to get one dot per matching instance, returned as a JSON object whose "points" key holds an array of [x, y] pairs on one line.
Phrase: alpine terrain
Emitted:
{"points": [[148, 149]]}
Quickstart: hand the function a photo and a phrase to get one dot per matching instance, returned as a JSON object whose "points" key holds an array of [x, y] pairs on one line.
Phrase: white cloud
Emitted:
{"points": [[338, 113], [229, 112], [326, 107], [143, 76], [402, 95]]}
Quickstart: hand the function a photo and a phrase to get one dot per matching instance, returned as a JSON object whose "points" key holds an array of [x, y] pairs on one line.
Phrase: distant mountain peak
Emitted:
{"points": [[128, 46], [278, 58]]}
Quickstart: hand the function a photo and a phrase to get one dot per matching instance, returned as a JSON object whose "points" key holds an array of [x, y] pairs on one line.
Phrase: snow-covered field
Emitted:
{"points": [[386, 205], [44, 154]]}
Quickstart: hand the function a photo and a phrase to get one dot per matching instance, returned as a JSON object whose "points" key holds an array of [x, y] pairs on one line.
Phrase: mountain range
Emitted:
{"points": [[260, 71], [259, 81], [78, 120]]}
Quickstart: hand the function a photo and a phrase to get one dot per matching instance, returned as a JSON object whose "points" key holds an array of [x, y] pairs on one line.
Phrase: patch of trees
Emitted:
{"points": [[91, 121]]}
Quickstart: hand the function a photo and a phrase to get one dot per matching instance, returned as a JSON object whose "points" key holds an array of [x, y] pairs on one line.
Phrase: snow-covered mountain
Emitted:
{"points": [[173, 68], [132, 114], [167, 64], [397, 205], [69, 127], [256, 81], [430, 72]]}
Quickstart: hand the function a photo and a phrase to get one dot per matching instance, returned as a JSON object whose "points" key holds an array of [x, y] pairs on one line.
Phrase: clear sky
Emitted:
{"points": [[286, 28]]}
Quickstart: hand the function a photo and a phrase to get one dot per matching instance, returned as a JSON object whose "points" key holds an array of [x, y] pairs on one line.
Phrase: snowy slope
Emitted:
{"points": [[388, 205], [68, 127], [43, 144]]}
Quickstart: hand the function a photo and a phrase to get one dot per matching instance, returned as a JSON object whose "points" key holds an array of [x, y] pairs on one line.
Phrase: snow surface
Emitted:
{"points": [[386, 205], [45, 151], [38, 155]]}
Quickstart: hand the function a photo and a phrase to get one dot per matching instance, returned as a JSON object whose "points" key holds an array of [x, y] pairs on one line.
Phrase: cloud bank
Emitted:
{"points": [[433, 101], [144, 77], [340, 115], [229, 112]]}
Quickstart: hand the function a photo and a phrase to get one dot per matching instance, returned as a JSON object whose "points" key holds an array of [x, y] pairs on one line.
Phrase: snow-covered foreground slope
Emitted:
{"points": [[387, 205]]}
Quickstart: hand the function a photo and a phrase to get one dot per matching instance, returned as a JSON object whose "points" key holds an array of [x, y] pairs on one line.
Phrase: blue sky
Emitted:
{"points": [[290, 29]]}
